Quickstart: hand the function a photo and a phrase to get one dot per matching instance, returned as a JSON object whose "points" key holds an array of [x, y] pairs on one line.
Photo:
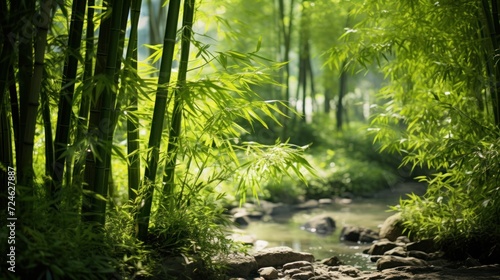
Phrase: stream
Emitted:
{"points": [[285, 231]]}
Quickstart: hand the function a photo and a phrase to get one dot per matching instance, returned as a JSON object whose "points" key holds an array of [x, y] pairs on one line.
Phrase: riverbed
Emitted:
{"points": [[286, 231]]}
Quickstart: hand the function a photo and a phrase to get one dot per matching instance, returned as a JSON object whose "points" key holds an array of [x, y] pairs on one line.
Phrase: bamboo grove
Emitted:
{"points": [[75, 99]]}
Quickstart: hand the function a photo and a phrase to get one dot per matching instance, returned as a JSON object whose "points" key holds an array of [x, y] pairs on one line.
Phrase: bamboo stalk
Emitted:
{"points": [[180, 91], [134, 167], [26, 173], [83, 113], [28, 103], [66, 98], [158, 118], [89, 201], [97, 209]]}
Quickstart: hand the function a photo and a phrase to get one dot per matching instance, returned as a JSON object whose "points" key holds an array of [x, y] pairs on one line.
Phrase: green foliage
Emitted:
{"points": [[197, 231], [461, 205], [56, 245], [440, 111], [346, 162]]}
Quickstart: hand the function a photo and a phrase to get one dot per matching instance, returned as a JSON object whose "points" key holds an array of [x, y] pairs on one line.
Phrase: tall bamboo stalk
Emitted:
{"points": [[286, 31], [67, 91], [180, 92], [28, 103], [42, 26], [97, 208], [83, 113], [89, 200], [134, 167], [158, 117], [49, 142]]}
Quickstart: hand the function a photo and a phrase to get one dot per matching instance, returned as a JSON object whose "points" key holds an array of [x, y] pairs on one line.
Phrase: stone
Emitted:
{"points": [[471, 262], [292, 271], [241, 219], [358, 234], [386, 262], [397, 251], [333, 261], [392, 227], [310, 204], [320, 277], [179, 266], [297, 264], [425, 245], [349, 270], [268, 273], [243, 238], [350, 233], [368, 236], [278, 256], [403, 239], [321, 224], [418, 254], [381, 247], [274, 209], [325, 201], [240, 265], [303, 275]]}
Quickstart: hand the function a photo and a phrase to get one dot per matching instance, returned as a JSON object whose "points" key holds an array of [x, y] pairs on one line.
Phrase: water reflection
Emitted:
{"points": [[287, 232]]}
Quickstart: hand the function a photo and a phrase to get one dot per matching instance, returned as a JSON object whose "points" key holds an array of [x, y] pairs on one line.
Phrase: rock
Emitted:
{"points": [[268, 273], [392, 227], [259, 245], [471, 262], [320, 277], [358, 234], [350, 233], [381, 247], [368, 236], [299, 269], [426, 245], [278, 256], [243, 238], [179, 266], [349, 270], [241, 219], [397, 251], [303, 275], [418, 254], [274, 209], [240, 265], [297, 264], [386, 262], [325, 201], [310, 204], [403, 239], [292, 271], [333, 261], [321, 224], [343, 200], [236, 210]]}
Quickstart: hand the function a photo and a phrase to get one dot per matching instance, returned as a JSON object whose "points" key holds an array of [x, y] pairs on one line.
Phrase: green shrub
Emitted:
{"points": [[460, 209], [195, 229]]}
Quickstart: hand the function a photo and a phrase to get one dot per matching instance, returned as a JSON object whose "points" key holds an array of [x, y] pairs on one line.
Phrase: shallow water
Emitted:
{"points": [[285, 231]]}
